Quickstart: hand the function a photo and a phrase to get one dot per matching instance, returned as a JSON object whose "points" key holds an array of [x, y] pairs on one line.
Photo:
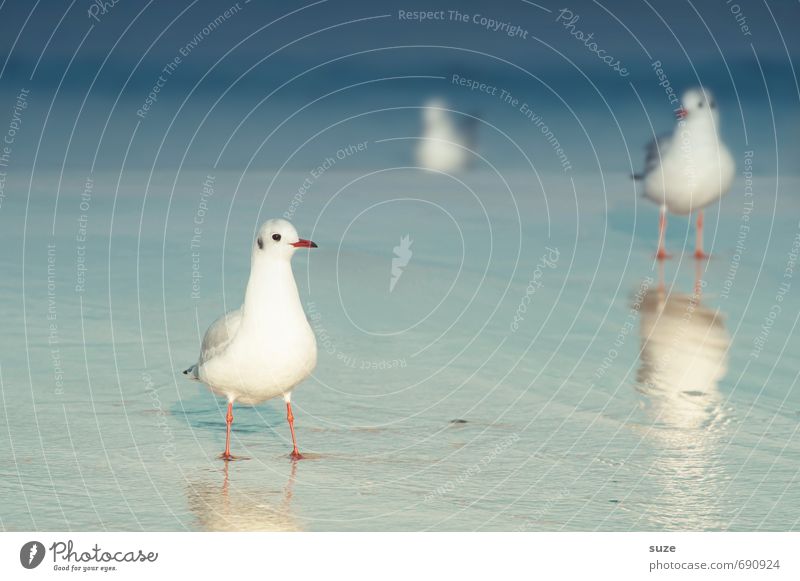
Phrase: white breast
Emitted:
{"points": [[696, 171], [267, 347], [258, 366]]}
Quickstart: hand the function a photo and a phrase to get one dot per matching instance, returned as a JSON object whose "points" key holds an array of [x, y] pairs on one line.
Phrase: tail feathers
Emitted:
{"points": [[637, 176]]}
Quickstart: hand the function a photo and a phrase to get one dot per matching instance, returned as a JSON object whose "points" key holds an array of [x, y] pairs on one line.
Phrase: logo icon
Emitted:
{"points": [[31, 554], [402, 255]]}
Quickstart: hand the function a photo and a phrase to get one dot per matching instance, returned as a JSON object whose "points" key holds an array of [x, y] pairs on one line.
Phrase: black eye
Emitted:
{"points": [[260, 243], [276, 237], [700, 104]]}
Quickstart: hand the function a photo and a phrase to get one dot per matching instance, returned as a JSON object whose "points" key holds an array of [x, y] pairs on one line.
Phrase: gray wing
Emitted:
{"points": [[217, 338], [654, 151]]}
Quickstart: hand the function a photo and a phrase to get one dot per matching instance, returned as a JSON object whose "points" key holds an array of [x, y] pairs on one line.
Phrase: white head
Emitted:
{"points": [[434, 113], [698, 103], [278, 239]]}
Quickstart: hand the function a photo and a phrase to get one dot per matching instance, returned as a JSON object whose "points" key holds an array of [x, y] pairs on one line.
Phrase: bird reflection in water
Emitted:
{"points": [[683, 357], [227, 508]]}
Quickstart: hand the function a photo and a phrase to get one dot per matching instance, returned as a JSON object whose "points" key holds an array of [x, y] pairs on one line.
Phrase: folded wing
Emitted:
{"points": [[654, 151], [217, 338]]}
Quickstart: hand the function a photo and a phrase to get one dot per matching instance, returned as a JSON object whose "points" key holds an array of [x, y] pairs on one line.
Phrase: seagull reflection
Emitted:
{"points": [[684, 355], [226, 508]]}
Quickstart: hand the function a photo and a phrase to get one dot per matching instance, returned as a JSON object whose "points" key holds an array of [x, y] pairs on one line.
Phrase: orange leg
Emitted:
{"points": [[698, 279], [295, 455], [661, 254], [698, 247], [229, 421]]}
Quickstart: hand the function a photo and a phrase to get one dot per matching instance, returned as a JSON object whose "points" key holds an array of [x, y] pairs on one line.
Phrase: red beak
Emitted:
{"points": [[680, 113], [304, 244]]}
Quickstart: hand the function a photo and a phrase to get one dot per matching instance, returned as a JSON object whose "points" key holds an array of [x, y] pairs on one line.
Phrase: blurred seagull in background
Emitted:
{"points": [[446, 145], [265, 348], [689, 169]]}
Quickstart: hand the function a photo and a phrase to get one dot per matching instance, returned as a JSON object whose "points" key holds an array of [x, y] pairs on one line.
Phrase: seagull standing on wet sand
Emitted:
{"points": [[265, 348], [689, 169]]}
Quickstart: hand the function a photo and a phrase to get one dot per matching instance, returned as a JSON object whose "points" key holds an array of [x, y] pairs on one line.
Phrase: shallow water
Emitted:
{"points": [[451, 402]]}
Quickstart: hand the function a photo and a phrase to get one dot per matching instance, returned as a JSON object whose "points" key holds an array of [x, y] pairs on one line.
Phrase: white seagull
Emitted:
{"points": [[445, 145], [265, 348], [689, 169]]}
